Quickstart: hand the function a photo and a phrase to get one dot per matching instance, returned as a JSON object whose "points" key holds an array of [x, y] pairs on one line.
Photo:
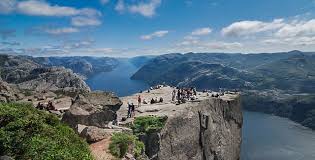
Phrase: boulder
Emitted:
{"points": [[93, 109], [9, 92], [6, 158], [94, 134]]}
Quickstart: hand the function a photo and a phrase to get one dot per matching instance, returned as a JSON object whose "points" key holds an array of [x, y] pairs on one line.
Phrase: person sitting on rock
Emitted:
{"points": [[50, 106], [193, 97], [161, 100], [40, 106], [152, 101], [144, 101], [156, 100]]}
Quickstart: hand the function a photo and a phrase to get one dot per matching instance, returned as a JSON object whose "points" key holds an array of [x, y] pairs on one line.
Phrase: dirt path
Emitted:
{"points": [[100, 150]]}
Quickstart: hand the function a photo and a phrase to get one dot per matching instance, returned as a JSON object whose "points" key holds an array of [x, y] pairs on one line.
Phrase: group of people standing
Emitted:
{"points": [[183, 94]]}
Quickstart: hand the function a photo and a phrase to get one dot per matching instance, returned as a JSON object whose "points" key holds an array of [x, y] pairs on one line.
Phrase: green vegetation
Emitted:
{"points": [[27, 133], [148, 124], [122, 143], [27, 92]]}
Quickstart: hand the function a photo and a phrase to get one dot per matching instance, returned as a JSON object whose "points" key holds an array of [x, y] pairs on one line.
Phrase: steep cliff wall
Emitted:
{"points": [[207, 129], [210, 130]]}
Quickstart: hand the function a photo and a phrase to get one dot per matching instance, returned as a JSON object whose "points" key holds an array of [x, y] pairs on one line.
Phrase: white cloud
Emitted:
{"points": [[43, 8], [297, 28], [244, 28], [201, 31], [85, 21], [59, 31], [223, 45], [7, 6], [161, 33], [120, 6], [146, 9], [103, 2]]}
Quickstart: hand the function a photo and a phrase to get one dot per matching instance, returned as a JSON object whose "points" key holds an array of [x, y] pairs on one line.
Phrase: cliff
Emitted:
{"points": [[29, 75], [208, 128]]}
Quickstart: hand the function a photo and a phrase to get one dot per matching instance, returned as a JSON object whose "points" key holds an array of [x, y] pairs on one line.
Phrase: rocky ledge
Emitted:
{"points": [[207, 128]]}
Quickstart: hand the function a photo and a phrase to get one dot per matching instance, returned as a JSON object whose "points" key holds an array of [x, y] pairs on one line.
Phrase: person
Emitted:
{"points": [[195, 91], [156, 100], [133, 113], [161, 100], [173, 95], [178, 95], [152, 101], [40, 106], [129, 110], [144, 101], [193, 97], [139, 101], [50, 106]]}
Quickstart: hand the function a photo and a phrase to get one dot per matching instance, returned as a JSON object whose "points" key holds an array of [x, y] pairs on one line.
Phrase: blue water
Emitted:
{"points": [[118, 80], [265, 137]]}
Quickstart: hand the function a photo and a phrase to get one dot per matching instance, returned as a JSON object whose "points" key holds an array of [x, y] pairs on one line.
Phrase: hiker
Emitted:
{"points": [[50, 106], [144, 101], [178, 95], [139, 101], [129, 110], [152, 101], [161, 100], [173, 95], [156, 100], [133, 113]]}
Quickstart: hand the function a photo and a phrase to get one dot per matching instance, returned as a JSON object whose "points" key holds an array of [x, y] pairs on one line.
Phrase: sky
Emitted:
{"points": [[127, 28]]}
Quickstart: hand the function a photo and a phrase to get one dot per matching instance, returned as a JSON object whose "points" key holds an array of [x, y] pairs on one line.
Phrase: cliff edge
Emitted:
{"points": [[208, 128]]}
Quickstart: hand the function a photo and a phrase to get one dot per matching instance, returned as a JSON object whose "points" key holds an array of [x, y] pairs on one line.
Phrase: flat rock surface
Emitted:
{"points": [[167, 108]]}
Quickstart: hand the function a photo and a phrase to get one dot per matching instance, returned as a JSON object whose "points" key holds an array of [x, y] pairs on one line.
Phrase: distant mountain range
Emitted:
{"points": [[86, 66], [276, 83], [294, 71]]}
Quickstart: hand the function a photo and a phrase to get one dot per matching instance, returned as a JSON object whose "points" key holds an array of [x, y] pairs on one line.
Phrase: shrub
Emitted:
{"points": [[27, 133], [122, 142], [148, 124]]}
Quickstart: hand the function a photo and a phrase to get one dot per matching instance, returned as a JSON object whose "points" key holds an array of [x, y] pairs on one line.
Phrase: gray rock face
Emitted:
{"points": [[93, 109], [53, 79], [9, 92], [94, 134], [29, 75], [209, 131]]}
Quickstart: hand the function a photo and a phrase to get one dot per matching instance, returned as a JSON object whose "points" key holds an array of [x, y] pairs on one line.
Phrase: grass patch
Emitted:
{"points": [[121, 143], [27, 133], [148, 124], [27, 92]]}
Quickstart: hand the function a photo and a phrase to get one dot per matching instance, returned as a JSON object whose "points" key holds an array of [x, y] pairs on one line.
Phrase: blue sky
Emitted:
{"points": [[125, 28]]}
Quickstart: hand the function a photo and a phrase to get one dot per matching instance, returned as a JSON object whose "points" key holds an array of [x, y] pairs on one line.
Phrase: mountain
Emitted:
{"points": [[296, 73], [290, 71], [29, 75], [139, 61], [86, 66], [275, 83]]}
